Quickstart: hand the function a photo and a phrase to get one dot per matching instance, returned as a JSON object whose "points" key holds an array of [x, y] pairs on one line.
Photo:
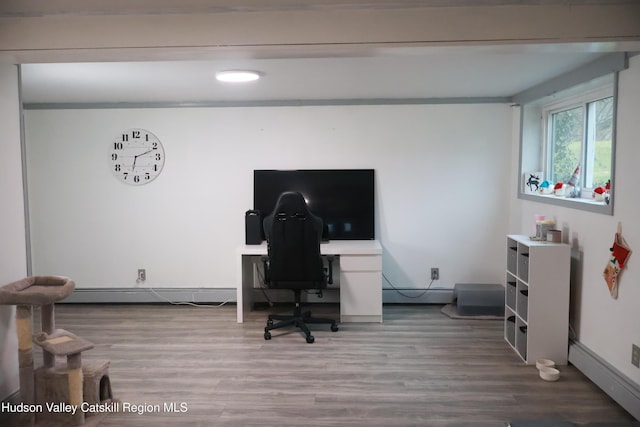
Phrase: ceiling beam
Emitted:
{"points": [[329, 29]]}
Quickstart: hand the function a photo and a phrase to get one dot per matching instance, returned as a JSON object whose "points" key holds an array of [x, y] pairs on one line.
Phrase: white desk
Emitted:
{"points": [[360, 266]]}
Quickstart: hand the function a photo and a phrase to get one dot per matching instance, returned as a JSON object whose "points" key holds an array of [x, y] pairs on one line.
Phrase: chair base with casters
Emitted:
{"points": [[299, 319]]}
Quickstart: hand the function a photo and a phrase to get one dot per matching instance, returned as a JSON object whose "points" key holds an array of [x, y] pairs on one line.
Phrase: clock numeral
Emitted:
{"points": [[136, 178], [154, 145], [125, 137], [117, 168], [155, 168], [114, 156], [118, 145], [147, 176], [135, 134], [146, 138], [157, 156]]}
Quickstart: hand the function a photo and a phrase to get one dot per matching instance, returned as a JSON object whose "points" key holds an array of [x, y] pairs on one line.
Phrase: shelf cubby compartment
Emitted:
{"points": [[510, 327], [522, 300], [523, 262], [512, 256], [521, 338], [511, 291]]}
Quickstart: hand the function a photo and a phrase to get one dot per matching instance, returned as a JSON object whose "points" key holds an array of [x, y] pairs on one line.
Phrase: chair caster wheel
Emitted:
{"points": [[310, 339], [270, 322], [267, 335], [334, 328]]}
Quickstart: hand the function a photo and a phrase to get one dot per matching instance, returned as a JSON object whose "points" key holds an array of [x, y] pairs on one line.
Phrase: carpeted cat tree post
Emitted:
{"points": [[53, 382]]}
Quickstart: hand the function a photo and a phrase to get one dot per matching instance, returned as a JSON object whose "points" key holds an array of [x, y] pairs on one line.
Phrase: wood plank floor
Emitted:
{"points": [[418, 368]]}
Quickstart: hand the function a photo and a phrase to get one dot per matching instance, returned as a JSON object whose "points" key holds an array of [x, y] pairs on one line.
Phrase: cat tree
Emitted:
{"points": [[68, 382]]}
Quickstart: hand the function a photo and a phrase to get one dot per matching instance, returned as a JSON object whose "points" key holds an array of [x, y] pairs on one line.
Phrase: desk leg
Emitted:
{"points": [[239, 299], [244, 290]]}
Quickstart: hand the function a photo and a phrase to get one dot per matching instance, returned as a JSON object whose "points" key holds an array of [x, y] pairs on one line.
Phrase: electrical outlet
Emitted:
{"points": [[635, 355], [435, 274], [142, 274]]}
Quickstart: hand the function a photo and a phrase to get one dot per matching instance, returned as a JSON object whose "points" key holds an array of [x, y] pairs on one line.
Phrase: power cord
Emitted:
{"points": [[153, 291], [261, 277], [405, 295], [262, 288]]}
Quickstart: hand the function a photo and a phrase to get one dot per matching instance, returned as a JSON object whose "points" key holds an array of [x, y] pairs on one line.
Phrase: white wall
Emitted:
{"points": [[441, 192], [605, 325], [12, 227]]}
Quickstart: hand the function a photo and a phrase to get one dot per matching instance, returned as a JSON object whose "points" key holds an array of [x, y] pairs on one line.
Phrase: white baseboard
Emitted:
{"points": [[604, 375], [419, 296]]}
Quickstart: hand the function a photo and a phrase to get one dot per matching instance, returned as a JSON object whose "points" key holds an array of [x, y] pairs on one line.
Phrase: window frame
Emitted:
{"points": [[583, 100], [539, 146]]}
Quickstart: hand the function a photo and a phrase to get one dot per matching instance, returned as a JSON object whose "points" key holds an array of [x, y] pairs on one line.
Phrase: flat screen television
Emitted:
{"points": [[343, 198]]}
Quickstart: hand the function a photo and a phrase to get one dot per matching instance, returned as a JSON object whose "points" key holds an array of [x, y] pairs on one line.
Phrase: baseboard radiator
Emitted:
{"points": [[151, 295], [604, 375], [228, 295]]}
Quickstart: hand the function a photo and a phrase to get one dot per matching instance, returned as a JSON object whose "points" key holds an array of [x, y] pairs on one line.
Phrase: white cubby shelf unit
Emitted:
{"points": [[537, 289]]}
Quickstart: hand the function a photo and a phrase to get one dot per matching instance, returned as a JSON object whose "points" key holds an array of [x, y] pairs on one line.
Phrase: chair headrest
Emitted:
{"points": [[291, 203]]}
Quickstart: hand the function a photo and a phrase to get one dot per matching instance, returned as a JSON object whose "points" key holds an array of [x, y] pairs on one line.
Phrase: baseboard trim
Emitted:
{"points": [[151, 295], [608, 378], [418, 296], [219, 295]]}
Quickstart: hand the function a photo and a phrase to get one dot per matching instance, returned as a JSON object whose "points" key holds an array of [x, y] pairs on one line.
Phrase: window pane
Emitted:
{"points": [[599, 139], [566, 143]]}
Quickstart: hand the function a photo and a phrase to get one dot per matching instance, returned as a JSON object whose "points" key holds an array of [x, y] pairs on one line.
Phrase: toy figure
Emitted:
{"points": [[533, 181], [545, 187]]}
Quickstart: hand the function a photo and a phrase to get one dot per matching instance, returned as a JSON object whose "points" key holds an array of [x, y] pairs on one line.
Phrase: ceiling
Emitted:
{"points": [[453, 72]]}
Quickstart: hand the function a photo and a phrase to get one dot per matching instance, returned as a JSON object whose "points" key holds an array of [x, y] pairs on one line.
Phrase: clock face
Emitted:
{"points": [[136, 156]]}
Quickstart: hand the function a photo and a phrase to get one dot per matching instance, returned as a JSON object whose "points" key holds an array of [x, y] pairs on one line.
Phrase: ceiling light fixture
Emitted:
{"points": [[237, 76]]}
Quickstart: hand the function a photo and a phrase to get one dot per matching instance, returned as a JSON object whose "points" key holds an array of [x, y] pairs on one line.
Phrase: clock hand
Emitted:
{"points": [[135, 158]]}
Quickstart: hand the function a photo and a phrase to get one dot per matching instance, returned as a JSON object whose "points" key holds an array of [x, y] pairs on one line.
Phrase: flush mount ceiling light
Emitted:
{"points": [[237, 76]]}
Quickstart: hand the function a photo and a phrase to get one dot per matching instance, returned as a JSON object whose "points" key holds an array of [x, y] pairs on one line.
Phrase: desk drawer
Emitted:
{"points": [[360, 263]]}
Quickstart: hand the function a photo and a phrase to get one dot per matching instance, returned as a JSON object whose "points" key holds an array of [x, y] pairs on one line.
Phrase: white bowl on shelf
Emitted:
{"points": [[549, 374], [542, 363]]}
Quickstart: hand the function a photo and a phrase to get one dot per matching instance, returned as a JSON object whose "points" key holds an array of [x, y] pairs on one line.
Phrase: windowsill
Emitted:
{"points": [[585, 204]]}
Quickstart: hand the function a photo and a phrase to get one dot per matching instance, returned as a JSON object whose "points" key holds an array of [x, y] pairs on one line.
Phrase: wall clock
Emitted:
{"points": [[136, 156]]}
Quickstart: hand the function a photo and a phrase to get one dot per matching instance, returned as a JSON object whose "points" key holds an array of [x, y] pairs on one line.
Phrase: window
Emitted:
{"points": [[567, 140], [579, 141]]}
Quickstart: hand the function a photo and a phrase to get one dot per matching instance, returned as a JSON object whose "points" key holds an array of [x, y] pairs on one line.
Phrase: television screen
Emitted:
{"points": [[343, 198]]}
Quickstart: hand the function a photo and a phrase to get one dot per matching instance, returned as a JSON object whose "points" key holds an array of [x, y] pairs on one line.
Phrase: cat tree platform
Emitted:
{"points": [[70, 382]]}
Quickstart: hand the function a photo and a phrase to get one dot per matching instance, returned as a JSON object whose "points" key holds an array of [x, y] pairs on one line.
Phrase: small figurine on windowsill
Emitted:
{"points": [[559, 189], [545, 187], [573, 190], [598, 194], [602, 194]]}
